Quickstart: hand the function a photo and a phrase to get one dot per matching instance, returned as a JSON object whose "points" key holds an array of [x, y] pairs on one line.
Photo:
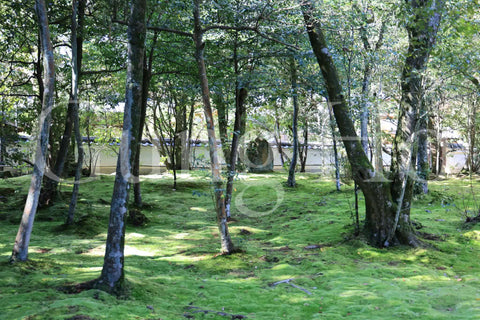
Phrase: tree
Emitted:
{"points": [[293, 163], [78, 8], [226, 242], [20, 249], [387, 203], [112, 277]]}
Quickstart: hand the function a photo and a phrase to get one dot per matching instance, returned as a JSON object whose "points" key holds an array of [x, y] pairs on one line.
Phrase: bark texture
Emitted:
{"points": [[112, 276], [20, 248]]}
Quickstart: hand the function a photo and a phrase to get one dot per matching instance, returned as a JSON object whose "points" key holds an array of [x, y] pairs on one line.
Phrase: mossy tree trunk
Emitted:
{"points": [[112, 276], [387, 203], [20, 249]]}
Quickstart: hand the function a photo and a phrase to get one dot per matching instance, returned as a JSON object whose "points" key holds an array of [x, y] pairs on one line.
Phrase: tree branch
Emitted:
{"points": [[163, 29], [92, 72]]}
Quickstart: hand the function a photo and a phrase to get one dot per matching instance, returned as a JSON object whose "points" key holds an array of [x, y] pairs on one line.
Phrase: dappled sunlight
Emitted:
{"points": [[181, 235], [132, 251], [174, 260], [198, 209], [134, 236], [179, 258], [97, 251]]}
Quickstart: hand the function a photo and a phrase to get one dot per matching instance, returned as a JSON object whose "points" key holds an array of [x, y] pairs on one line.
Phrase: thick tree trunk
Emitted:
{"points": [[112, 276], [422, 31], [76, 115], [422, 165], [226, 242], [387, 204], [293, 163], [20, 249], [378, 144]]}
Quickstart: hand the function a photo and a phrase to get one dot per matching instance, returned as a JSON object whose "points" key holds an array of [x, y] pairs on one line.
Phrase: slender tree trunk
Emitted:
{"points": [[113, 276], [226, 242], [238, 132], [146, 78], [223, 124], [278, 137], [241, 93], [53, 176], [188, 142], [74, 99], [20, 249], [293, 163], [472, 129], [304, 149], [335, 149], [364, 106], [181, 131]]}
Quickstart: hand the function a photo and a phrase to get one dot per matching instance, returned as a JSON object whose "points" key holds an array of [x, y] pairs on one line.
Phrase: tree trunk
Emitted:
{"points": [[20, 249], [387, 204], [293, 163], [53, 176], [74, 100], [378, 144], [187, 145], [238, 132], [241, 93], [112, 276], [423, 167], [146, 78], [472, 130], [226, 242], [335, 148], [278, 137], [304, 148], [223, 124], [422, 31]]}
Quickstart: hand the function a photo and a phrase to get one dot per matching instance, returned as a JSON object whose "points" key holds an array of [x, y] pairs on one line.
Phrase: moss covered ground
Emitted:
{"points": [[304, 234]]}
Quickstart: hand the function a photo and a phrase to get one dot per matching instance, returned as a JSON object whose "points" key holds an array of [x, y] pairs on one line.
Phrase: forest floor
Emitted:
{"points": [[299, 257]]}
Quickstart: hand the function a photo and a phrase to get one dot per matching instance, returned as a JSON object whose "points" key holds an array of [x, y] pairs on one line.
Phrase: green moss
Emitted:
{"points": [[171, 262]]}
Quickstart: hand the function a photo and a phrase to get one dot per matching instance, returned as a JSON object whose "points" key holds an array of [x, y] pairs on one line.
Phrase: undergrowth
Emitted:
{"points": [[302, 234]]}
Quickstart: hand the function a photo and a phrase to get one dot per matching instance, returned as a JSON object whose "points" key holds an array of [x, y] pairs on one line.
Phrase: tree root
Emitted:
{"points": [[289, 281]]}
